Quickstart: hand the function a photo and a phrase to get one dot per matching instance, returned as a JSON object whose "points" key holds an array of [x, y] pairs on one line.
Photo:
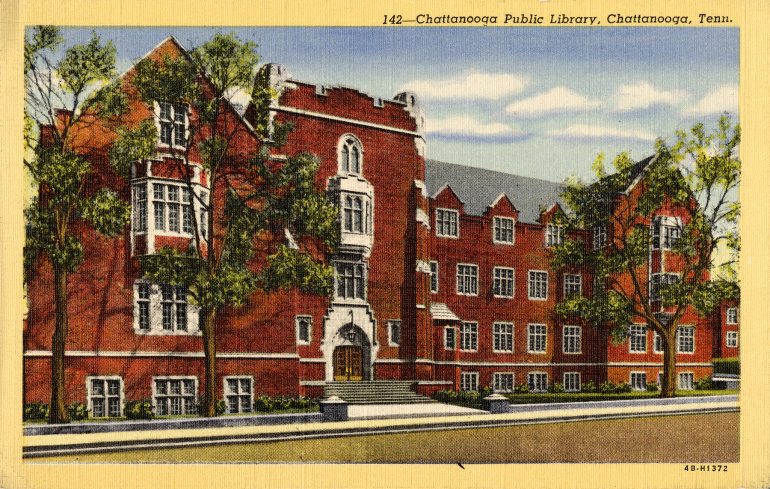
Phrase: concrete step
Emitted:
{"points": [[375, 392]]}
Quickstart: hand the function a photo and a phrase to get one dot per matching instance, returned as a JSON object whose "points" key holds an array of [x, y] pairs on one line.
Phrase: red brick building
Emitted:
{"points": [[443, 276]]}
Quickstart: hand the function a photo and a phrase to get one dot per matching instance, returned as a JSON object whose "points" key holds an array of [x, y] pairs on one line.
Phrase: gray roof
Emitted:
{"points": [[478, 188]]}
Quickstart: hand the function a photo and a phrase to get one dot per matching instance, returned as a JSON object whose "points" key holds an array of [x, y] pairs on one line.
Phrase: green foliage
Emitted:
{"points": [[169, 80], [227, 62], [291, 268], [220, 406], [133, 145], [589, 387], [727, 366], [470, 399], [555, 388], [704, 384], [623, 387], [652, 387], [139, 409], [43, 37], [84, 65], [266, 404], [522, 389], [77, 411], [36, 411], [107, 213], [607, 387]]}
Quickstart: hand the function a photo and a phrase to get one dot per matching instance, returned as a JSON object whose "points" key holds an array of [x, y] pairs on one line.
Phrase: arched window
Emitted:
{"points": [[350, 155]]}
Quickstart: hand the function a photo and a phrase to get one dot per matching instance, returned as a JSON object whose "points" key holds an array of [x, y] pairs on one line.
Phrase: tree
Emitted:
{"points": [[251, 196], [63, 114], [694, 183]]}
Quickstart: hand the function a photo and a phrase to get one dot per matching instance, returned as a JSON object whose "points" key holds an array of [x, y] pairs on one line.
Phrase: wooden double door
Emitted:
{"points": [[348, 363]]}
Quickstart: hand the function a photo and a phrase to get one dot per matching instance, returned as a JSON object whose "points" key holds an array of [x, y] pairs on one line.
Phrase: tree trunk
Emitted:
{"points": [[668, 386], [210, 353], [58, 412]]}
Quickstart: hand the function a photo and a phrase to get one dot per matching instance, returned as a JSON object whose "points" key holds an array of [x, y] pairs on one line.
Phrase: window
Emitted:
{"points": [[434, 277], [571, 381], [105, 396], [446, 223], [450, 338], [172, 124], [351, 155], [657, 342], [172, 208], [304, 326], [351, 279], [686, 380], [665, 232], [571, 339], [140, 208], [732, 315], [503, 282], [536, 338], [502, 230], [639, 381], [163, 309], [659, 281], [469, 336], [174, 395], [538, 285], [572, 285], [502, 337], [353, 214], [394, 332], [731, 339], [469, 381], [239, 394], [637, 338], [537, 381], [685, 339], [467, 279], [502, 382], [599, 233], [553, 235]]}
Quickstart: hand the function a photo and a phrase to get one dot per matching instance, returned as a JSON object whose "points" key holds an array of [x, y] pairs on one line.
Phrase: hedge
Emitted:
{"points": [[727, 366]]}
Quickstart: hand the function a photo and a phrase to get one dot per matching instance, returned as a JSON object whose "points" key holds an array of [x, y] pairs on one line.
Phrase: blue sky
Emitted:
{"points": [[540, 102]]}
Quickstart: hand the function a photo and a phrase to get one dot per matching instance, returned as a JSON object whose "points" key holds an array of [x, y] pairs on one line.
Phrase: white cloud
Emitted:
{"points": [[554, 101], [723, 99], [643, 95], [584, 132], [468, 86], [463, 128]]}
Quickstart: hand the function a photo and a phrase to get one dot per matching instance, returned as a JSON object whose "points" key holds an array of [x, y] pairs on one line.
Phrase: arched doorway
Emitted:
{"points": [[348, 363]]}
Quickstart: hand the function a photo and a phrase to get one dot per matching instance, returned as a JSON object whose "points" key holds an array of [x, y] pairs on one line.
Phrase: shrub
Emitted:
{"points": [[77, 411], [36, 411], [556, 388], [522, 389], [139, 409], [703, 384], [485, 391], [589, 387], [607, 387], [220, 406], [727, 366], [652, 387], [623, 387], [263, 404]]}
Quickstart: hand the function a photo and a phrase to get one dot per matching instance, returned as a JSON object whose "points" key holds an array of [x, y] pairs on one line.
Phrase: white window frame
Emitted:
{"points": [[634, 377], [659, 279], [168, 395], [162, 203], [298, 320], [537, 334], [536, 284], [453, 341], [504, 282], [573, 285], [352, 145], [467, 279], [469, 336], [161, 122], [571, 381], [503, 230], [731, 315], [575, 334], [228, 394], [354, 218], [105, 396], [553, 235], [599, 236], [686, 381], [537, 381], [140, 209], [665, 231], [503, 381], [155, 310], [731, 339], [469, 381], [434, 287], [447, 218], [682, 337], [503, 337], [394, 332], [657, 340], [343, 280], [634, 336]]}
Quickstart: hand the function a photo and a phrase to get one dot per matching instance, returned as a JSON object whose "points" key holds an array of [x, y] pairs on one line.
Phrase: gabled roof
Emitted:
{"points": [[478, 188]]}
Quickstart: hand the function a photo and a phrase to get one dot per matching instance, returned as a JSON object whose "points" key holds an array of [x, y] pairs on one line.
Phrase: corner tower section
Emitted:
{"points": [[372, 161]]}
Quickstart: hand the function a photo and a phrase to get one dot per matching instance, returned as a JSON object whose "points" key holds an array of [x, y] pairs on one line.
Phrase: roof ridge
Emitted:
{"points": [[479, 168]]}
